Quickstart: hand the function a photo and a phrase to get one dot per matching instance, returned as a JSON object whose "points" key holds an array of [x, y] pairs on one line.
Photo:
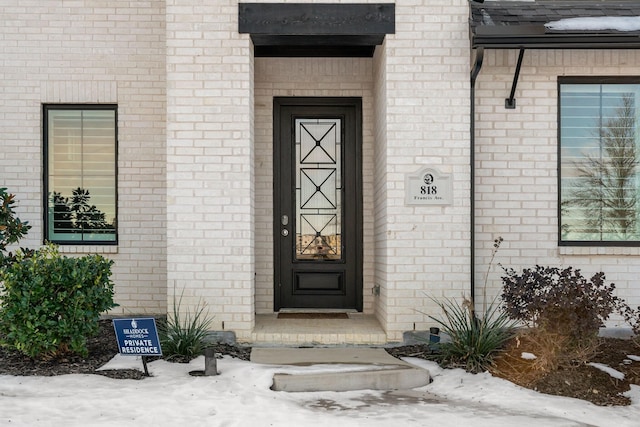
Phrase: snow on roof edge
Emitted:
{"points": [[613, 23]]}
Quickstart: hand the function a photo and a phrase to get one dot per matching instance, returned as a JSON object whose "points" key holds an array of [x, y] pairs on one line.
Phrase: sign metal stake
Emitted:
{"points": [[144, 365]]}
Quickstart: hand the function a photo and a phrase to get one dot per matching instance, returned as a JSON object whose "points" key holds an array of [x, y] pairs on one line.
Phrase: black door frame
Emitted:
{"points": [[278, 104]]}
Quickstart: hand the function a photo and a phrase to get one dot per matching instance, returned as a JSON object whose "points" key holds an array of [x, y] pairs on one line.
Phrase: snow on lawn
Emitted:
{"points": [[240, 396]]}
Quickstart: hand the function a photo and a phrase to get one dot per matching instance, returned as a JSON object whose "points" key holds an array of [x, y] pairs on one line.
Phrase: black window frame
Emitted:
{"points": [[45, 178], [586, 80]]}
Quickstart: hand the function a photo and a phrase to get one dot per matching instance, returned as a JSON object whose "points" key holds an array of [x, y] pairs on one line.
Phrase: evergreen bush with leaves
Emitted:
{"points": [[11, 228], [52, 303]]}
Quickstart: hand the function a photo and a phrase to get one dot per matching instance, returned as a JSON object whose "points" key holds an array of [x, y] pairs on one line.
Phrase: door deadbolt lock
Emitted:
{"points": [[285, 232], [285, 220]]}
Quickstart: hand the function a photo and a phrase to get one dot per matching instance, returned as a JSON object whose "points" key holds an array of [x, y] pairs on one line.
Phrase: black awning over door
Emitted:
{"points": [[312, 29]]}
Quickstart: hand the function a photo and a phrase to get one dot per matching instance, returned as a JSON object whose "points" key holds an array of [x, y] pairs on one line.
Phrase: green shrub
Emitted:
{"points": [[474, 341], [11, 228], [51, 303], [182, 338]]}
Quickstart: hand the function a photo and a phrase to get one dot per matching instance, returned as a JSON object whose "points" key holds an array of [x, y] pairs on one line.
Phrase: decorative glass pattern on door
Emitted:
{"points": [[318, 189]]}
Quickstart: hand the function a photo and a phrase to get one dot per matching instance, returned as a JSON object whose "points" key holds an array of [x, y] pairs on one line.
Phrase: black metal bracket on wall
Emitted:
{"points": [[510, 103]]}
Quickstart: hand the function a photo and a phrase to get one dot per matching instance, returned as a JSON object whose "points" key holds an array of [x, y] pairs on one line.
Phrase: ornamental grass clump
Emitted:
{"points": [[183, 336], [474, 341]]}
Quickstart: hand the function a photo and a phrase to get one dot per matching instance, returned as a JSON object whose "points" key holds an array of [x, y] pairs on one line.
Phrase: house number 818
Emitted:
{"points": [[428, 189]]}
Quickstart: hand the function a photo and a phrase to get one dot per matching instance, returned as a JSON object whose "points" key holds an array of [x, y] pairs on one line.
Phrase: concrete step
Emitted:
{"points": [[368, 369], [358, 329]]}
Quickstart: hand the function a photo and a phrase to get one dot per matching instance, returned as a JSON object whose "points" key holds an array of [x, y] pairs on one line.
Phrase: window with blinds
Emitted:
{"points": [[599, 152], [80, 173]]}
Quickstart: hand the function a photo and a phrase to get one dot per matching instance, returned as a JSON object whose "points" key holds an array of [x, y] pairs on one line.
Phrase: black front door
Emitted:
{"points": [[318, 203]]}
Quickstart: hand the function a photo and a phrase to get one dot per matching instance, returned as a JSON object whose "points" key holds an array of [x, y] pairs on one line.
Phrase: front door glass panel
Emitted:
{"points": [[318, 189]]}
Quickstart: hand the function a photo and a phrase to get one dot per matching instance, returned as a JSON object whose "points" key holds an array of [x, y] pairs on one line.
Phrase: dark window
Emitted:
{"points": [[80, 173], [599, 153]]}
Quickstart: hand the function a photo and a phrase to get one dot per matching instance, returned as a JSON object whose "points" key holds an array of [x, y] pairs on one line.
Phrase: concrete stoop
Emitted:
{"points": [[368, 369]]}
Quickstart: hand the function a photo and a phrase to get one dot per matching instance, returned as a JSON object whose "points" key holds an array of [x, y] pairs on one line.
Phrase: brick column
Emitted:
{"points": [[423, 78], [210, 254]]}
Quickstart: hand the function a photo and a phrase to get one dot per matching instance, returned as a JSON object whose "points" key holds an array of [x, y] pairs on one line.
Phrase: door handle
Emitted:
{"points": [[284, 220]]}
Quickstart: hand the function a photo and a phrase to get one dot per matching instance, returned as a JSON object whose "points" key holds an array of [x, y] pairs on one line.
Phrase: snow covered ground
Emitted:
{"points": [[240, 396]]}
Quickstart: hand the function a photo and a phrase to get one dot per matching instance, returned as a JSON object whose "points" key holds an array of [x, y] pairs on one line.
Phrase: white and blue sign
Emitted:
{"points": [[137, 337]]}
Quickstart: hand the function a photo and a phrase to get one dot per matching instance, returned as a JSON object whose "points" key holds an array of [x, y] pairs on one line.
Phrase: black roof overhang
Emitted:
{"points": [[316, 29], [537, 37]]}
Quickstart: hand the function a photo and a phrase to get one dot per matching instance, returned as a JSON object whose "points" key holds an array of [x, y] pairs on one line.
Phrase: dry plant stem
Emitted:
{"points": [[546, 346], [496, 245]]}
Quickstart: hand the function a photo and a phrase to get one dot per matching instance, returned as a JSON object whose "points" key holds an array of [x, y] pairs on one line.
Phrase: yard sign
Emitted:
{"points": [[137, 337]]}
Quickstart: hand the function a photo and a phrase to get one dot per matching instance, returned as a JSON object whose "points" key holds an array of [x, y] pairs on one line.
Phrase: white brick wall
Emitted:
{"points": [[516, 163], [307, 77], [421, 104], [210, 254], [423, 251], [195, 154], [380, 187], [92, 52]]}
